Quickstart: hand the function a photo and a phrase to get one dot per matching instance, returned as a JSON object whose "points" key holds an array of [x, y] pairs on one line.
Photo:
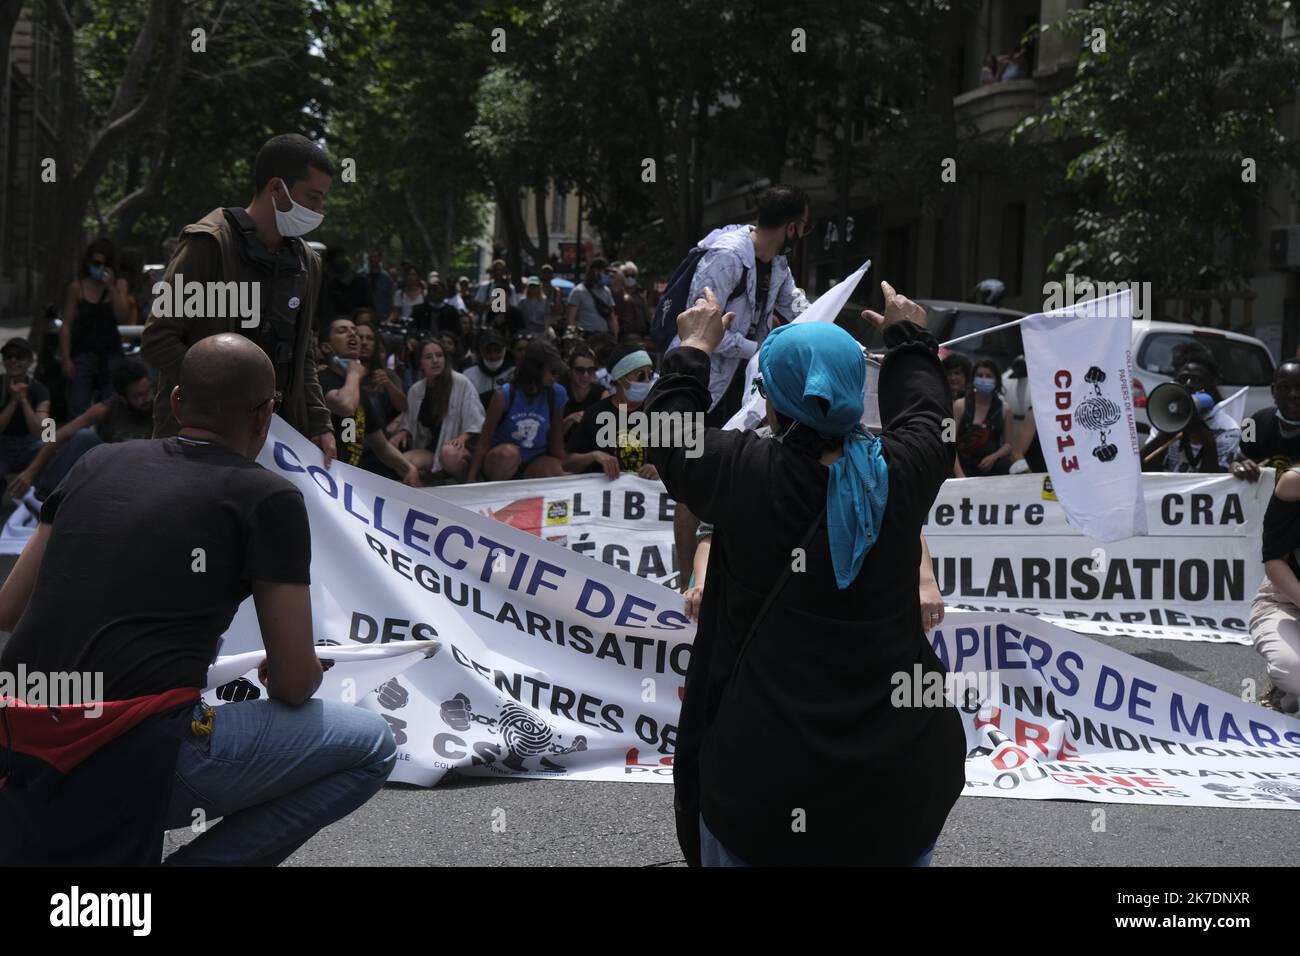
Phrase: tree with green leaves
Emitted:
{"points": [[402, 78], [163, 106], [1171, 126]]}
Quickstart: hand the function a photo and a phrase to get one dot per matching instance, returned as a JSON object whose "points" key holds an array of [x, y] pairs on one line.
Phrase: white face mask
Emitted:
{"points": [[637, 391], [298, 221], [493, 366]]}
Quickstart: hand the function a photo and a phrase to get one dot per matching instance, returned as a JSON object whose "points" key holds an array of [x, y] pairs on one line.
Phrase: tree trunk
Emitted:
{"points": [[543, 251], [413, 211], [128, 116], [448, 231], [577, 240], [131, 206]]}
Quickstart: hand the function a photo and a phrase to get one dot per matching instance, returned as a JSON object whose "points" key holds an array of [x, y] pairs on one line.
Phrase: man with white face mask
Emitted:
{"points": [[493, 367], [260, 249]]}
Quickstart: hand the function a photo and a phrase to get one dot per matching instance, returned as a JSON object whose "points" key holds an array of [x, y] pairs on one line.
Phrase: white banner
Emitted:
{"points": [[496, 653], [351, 671], [1003, 544], [627, 522], [549, 664], [999, 544], [1050, 715], [1080, 380]]}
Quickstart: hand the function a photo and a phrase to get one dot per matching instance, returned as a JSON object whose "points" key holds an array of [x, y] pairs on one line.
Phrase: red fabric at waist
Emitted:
{"points": [[65, 736]]}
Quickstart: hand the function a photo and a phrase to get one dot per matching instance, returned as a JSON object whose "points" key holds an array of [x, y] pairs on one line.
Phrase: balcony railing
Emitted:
{"points": [[995, 109]]}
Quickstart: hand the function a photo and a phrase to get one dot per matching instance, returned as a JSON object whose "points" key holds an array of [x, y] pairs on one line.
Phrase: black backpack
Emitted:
{"points": [[663, 324]]}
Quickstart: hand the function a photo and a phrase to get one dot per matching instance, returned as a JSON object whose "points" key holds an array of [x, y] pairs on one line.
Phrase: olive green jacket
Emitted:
{"points": [[209, 252]]}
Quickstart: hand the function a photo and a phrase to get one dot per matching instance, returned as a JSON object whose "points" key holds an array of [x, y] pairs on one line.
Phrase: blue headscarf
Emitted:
{"points": [[808, 361]]}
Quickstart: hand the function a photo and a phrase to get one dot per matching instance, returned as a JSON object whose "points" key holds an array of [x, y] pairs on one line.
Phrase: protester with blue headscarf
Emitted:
{"points": [[789, 748]]}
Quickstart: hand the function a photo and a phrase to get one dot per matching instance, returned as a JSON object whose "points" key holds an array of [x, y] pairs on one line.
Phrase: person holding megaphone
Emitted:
{"points": [[1190, 433]]}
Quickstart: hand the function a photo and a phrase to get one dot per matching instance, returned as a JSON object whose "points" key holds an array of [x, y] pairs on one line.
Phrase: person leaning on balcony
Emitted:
{"points": [[989, 71]]}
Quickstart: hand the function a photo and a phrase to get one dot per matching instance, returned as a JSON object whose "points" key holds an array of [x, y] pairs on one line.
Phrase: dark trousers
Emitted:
{"points": [[91, 382]]}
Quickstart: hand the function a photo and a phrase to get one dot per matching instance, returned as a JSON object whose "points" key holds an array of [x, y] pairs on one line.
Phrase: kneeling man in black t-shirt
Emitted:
{"points": [[112, 584]]}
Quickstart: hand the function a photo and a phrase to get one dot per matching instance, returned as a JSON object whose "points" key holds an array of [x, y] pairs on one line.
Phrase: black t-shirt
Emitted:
{"points": [[1282, 531], [17, 427], [1271, 448], [369, 417], [124, 423], [586, 435], [120, 590], [427, 417], [573, 405]]}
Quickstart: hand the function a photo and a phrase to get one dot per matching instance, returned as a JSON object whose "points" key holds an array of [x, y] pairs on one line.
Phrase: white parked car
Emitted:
{"points": [[1243, 360]]}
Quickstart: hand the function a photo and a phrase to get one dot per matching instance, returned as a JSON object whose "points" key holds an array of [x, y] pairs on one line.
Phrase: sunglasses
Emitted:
{"points": [[276, 399], [584, 369], [640, 375]]}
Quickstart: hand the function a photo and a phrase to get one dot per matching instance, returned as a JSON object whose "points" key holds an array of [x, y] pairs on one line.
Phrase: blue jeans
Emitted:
{"points": [[713, 853], [276, 775]]}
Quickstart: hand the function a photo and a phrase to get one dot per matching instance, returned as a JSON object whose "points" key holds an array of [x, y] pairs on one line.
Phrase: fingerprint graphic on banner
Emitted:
{"points": [[523, 731]]}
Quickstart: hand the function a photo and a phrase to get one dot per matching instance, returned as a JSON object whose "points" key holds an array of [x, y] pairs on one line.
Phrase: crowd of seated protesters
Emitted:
{"points": [[997, 434]]}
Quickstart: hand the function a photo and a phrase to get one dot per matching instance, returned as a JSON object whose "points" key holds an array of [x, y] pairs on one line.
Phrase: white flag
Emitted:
{"points": [[753, 411], [1234, 406], [1081, 384]]}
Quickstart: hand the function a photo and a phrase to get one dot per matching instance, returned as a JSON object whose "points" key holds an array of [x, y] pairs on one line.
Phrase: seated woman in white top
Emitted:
{"points": [[443, 417]]}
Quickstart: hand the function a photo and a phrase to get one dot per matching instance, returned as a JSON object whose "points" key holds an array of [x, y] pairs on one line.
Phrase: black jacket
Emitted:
{"points": [[807, 724]]}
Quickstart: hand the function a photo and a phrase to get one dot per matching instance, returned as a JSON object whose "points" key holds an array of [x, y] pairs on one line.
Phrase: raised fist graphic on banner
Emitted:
{"points": [[456, 713]]}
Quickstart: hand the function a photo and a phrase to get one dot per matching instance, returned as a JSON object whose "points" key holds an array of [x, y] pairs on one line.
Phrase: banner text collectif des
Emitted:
{"points": [[516, 570]]}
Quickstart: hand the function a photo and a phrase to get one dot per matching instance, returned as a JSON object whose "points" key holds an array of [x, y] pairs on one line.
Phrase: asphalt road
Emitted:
{"points": [[572, 823]]}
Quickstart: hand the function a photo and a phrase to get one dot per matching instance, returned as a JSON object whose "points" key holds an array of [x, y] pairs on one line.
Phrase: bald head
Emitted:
{"points": [[1286, 389], [223, 378]]}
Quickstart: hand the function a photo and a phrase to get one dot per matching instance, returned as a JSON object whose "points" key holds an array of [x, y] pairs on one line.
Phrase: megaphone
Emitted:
{"points": [[1171, 406]]}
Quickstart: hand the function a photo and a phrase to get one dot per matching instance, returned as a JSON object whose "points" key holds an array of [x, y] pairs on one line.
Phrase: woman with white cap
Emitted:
{"points": [[789, 748], [588, 445]]}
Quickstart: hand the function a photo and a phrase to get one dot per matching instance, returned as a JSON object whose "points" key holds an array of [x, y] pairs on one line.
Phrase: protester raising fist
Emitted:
{"points": [[703, 325], [897, 309]]}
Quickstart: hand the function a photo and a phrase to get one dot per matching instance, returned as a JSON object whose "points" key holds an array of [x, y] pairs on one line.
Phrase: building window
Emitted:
{"points": [[559, 201], [1012, 261]]}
